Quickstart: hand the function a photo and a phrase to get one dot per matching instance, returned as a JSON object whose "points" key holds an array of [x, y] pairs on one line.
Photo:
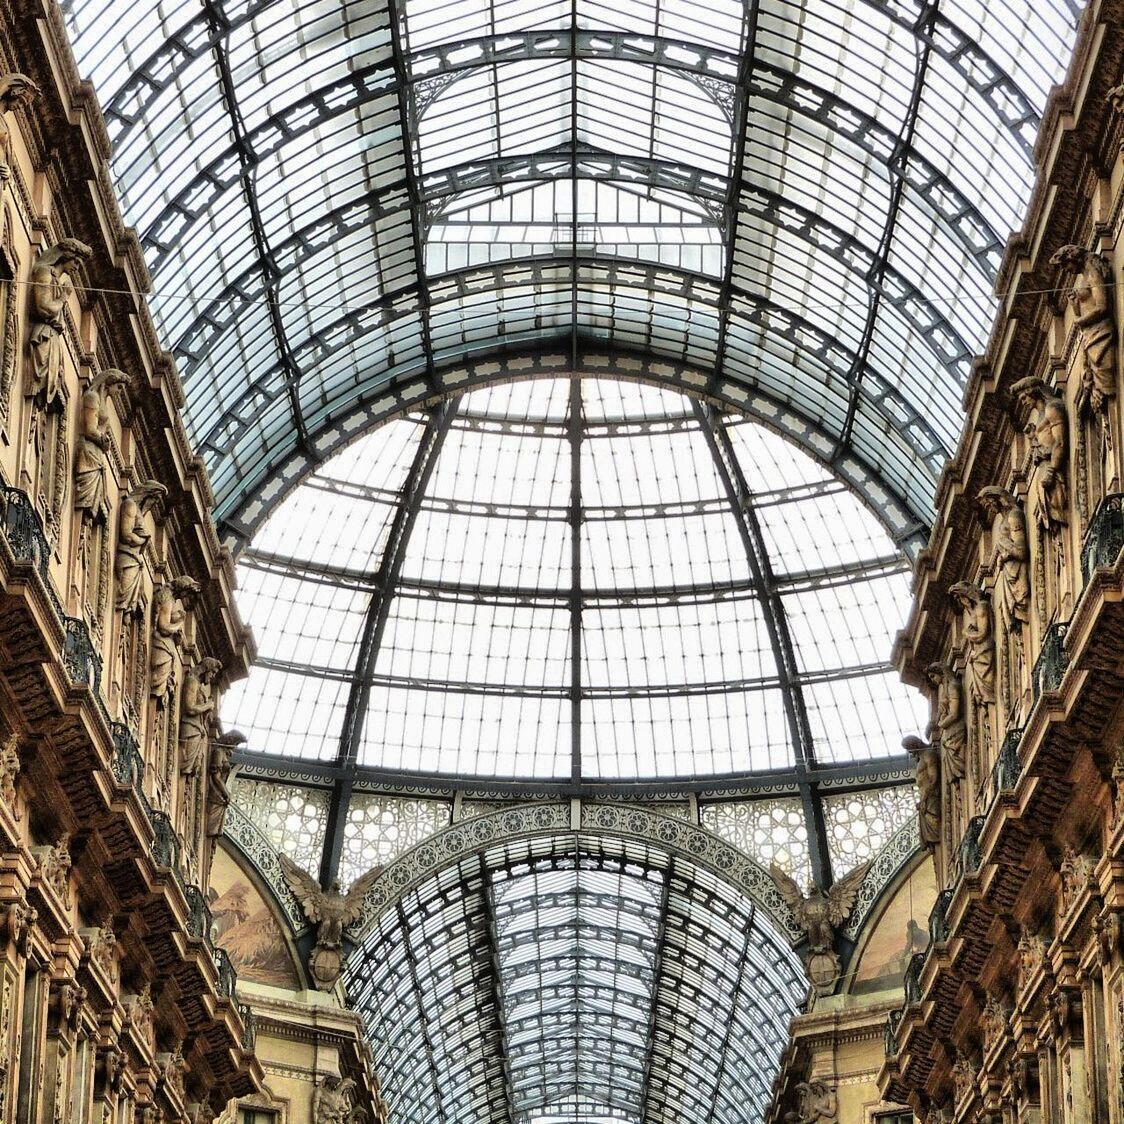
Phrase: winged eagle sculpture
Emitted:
{"points": [[819, 914], [329, 910]]}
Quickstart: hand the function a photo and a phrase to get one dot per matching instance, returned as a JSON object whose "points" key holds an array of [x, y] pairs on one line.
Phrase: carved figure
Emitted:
{"points": [[948, 727], [330, 911], [69, 999], [102, 947], [1077, 873], [1011, 600], [1032, 954], [90, 493], [979, 666], [1091, 298], [1047, 429], [19, 919], [928, 779], [141, 1012], [817, 1103], [818, 914], [51, 289], [168, 615], [197, 707], [963, 1077], [331, 1100], [55, 865], [15, 90], [172, 1069], [993, 1022], [9, 770], [218, 795], [132, 541], [1118, 787], [113, 1062]]}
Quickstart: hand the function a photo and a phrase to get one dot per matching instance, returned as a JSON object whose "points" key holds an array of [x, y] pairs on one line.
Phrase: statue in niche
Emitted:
{"points": [[1048, 497], [979, 672], [332, 1100], [51, 289], [132, 540], [330, 911], [168, 615], [819, 914], [218, 773], [1091, 298], [90, 492], [948, 726], [1011, 599], [817, 1104], [928, 779], [197, 707], [15, 90]]}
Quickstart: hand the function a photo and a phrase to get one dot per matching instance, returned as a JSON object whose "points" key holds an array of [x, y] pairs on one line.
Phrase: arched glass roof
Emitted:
{"points": [[576, 980], [346, 204], [573, 580]]}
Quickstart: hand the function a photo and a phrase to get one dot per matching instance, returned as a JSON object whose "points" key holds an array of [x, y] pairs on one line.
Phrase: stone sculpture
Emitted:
{"points": [[948, 726], [332, 1100], [1047, 428], [132, 541], [218, 773], [819, 914], [197, 707], [928, 779], [1011, 599], [15, 90], [168, 616], [817, 1104], [1091, 297], [55, 866], [9, 770], [51, 289], [330, 911], [979, 668], [90, 476]]}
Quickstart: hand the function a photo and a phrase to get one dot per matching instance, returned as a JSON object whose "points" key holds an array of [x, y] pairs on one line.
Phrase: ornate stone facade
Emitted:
{"points": [[1014, 1013], [114, 1003]]}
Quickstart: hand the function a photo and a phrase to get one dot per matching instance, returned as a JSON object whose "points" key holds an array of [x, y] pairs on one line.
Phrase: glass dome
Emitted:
{"points": [[576, 580]]}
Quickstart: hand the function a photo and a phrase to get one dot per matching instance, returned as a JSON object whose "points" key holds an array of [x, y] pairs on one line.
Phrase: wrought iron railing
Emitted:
{"points": [[1052, 661], [127, 764], [938, 917], [893, 1021], [228, 977], [23, 529], [199, 913], [250, 1025], [165, 844], [1105, 536], [970, 854], [913, 977], [1008, 765]]}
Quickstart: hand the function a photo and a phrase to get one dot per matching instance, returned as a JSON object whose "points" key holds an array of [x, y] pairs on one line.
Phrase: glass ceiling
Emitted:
{"points": [[573, 580], [796, 205], [575, 980]]}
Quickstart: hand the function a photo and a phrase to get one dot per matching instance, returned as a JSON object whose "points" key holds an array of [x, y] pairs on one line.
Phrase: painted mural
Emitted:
{"points": [[245, 926], [901, 931]]}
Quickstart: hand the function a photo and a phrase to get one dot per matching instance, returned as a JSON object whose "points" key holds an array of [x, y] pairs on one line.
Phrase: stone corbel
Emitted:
{"points": [[111, 1063], [18, 919], [66, 1001], [1109, 930]]}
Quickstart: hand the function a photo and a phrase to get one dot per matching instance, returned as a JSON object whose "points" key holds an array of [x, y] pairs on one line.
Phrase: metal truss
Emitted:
{"points": [[776, 622], [218, 25], [130, 104], [383, 581], [798, 334], [627, 979]]}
